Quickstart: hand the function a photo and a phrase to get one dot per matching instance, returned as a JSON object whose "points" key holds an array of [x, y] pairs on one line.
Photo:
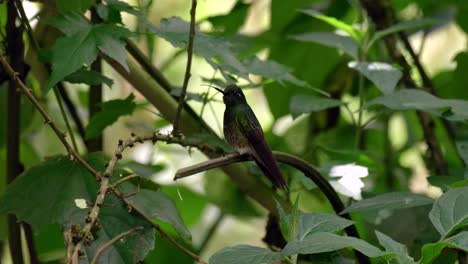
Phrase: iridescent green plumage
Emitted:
{"points": [[243, 131]]}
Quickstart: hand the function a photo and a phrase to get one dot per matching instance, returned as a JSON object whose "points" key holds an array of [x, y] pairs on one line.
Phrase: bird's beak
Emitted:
{"points": [[218, 89]]}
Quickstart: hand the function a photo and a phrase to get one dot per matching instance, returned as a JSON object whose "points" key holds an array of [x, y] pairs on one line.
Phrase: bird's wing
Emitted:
{"points": [[251, 129]]}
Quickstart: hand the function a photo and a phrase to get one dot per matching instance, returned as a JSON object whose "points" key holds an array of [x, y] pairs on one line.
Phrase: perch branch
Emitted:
{"points": [[187, 69], [113, 241], [294, 161]]}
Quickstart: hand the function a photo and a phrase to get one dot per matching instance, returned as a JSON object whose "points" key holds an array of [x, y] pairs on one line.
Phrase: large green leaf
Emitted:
{"points": [[344, 43], [110, 112], [273, 70], [154, 203], [391, 246], [310, 223], [383, 75], [301, 104], [450, 213], [81, 44], [405, 25], [406, 99], [132, 248], [176, 31], [88, 77], [431, 251], [326, 242], [242, 254], [394, 200], [46, 193]]}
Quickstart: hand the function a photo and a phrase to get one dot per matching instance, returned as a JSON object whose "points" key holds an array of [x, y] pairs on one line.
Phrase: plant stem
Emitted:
{"points": [[209, 234], [187, 69], [14, 49]]}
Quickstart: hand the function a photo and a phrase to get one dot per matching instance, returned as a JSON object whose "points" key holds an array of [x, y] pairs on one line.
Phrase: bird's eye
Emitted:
{"points": [[238, 94]]}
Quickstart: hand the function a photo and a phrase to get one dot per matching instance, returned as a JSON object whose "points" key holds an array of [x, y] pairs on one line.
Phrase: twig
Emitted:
{"points": [[211, 231], [124, 179], [187, 69], [14, 76], [112, 241], [71, 109]]}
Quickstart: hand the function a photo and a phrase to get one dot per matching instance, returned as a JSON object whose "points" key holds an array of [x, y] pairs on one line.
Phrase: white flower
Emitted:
{"points": [[350, 183], [81, 203]]}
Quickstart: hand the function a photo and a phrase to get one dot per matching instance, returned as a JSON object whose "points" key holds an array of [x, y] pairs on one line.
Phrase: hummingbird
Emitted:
{"points": [[243, 132]]}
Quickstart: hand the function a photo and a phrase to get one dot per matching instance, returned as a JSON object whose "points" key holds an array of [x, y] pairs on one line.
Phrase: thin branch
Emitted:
{"points": [[211, 231], [14, 77], [113, 241], [124, 179], [187, 69]]}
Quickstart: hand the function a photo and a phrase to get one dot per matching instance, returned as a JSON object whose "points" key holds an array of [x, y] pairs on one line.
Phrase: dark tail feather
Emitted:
{"points": [[273, 173]]}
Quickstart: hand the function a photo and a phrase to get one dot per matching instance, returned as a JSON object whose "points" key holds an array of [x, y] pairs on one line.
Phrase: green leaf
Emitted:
{"points": [[294, 220], [154, 203], [301, 104], [344, 43], [70, 54], [462, 147], [393, 200], [273, 70], [70, 23], [81, 44], [383, 75], [191, 205], [133, 248], [242, 254], [283, 220], [410, 99], [450, 213], [356, 35], [327, 242], [431, 251], [109, 113], [310, 223], [221, 191], [232, 21], [391, 246], [88, 77], [46, 192], [110, 11], [176, 31], [80, 6], [402, 26]]}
